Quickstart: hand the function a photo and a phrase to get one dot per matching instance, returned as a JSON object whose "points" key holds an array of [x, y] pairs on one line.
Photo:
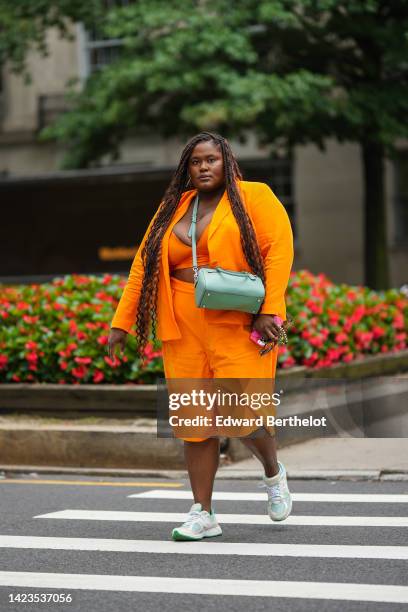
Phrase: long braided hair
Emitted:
{"points": [[151, 251]]}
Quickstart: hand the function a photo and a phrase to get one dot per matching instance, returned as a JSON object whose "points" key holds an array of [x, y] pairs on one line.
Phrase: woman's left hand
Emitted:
{"points": [[266, 326]]}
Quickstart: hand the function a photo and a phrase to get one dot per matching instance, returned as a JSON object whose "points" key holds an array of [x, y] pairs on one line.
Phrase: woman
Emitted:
{"points": [[241, 225]]}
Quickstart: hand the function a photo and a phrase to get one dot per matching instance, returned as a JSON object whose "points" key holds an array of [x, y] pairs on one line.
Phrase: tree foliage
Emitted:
{"points": [[24, 25], [293, 72]]}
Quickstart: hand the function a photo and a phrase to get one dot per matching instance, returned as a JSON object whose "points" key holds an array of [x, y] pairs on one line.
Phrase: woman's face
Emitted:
{"points": [[206, 166]]}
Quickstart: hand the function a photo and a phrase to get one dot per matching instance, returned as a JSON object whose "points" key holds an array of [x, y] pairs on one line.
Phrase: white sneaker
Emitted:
{"points": [[279, 497], [199, 524]]}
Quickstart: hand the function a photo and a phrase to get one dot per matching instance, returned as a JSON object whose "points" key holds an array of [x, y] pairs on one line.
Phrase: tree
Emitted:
{"points": [[24, 25], [293, 72]]}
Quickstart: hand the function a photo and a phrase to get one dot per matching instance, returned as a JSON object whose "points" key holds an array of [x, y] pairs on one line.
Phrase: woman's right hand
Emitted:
{"points": [[116, 336]]}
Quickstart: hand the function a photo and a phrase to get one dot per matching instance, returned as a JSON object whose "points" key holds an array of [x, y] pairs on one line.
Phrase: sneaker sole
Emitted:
{"points": [[210, 533]]}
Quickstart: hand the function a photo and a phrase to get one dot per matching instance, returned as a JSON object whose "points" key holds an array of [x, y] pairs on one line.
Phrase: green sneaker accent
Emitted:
{"points": [[179, 537]]}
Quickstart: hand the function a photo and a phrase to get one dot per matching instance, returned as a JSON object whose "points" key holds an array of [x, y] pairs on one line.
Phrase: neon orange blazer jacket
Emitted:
{"points": [[274, 234]]}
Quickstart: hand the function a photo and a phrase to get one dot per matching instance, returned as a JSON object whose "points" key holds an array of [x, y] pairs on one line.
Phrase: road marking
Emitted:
{"points": [[203, 586], [206, 548], [91, 483], [236, 519], [300, 497]]}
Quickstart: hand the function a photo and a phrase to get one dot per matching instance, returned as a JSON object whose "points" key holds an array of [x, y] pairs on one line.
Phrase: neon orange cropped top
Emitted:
{"points": [[181, 254]]}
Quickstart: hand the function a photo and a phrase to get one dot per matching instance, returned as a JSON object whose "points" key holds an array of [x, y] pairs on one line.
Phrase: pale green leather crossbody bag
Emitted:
{"points": [[216, 288]]}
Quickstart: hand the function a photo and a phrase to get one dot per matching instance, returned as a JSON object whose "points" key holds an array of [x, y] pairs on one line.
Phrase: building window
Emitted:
{"points": [[95, 49], [50, 106], [278, 174], [401, 199]]}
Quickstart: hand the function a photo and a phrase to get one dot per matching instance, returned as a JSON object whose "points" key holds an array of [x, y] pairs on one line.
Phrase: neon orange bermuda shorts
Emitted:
{"points": [[207, 350]]}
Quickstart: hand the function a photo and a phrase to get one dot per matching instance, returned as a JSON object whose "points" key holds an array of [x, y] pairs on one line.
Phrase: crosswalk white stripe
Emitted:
{"points": [[300, 497], [206, 548], [237, 519], [205, 586]]}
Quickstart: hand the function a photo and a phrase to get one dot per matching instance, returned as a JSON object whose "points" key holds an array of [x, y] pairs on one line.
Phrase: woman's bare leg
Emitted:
{"points": [[263, 446], [202, 460]]}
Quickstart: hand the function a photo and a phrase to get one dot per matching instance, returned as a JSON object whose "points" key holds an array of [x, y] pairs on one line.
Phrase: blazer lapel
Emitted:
{"points": [[180, 211], [223, 208]]}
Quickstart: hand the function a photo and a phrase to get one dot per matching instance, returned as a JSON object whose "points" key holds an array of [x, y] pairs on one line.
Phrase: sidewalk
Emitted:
{"points": [[337, 458]]}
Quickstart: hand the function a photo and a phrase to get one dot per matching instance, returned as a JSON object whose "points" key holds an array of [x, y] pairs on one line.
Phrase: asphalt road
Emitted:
{"points": [[108, 547]]}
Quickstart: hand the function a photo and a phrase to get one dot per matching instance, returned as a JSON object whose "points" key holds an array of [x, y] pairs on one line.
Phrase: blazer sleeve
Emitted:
{"points": [[125, 314], [275, 239]]}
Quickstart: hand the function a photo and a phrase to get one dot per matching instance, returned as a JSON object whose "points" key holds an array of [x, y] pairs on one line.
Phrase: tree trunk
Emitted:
{"points": [[376, 265]]}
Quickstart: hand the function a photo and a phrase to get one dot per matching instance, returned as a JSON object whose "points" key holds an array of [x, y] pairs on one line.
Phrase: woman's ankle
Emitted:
{"points": [[271, 470], [204, 505]]}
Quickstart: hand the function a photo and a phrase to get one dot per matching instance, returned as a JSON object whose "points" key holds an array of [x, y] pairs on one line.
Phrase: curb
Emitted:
{"points": [[7, 471], [141, 400], [74, 446], [118, 444]]}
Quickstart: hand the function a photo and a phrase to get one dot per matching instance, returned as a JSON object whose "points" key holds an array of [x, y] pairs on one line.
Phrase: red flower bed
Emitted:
{"points": [[340, 323], [57, 332]]}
